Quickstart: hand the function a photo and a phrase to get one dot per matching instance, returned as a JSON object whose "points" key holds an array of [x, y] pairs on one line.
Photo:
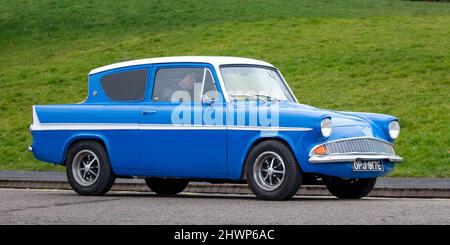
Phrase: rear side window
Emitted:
{"points": [[125, 86]]}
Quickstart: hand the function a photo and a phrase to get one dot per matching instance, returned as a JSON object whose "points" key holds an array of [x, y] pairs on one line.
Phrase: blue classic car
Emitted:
{"points": [[218, 119]]}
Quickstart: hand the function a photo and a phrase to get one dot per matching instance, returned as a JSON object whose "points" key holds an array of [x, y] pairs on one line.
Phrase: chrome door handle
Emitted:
{"points": [[148, 112]]}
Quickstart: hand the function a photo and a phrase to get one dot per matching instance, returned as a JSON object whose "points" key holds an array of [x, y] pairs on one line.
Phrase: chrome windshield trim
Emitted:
{"points": [[287, 85]]}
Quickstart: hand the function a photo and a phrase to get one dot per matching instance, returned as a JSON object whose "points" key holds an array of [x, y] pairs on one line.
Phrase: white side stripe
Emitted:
{"points": [[258, 128], [117, 126]]}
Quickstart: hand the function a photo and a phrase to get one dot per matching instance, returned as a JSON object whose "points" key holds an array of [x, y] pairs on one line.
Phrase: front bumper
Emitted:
{"points": [[353, 149], [352, 158]]}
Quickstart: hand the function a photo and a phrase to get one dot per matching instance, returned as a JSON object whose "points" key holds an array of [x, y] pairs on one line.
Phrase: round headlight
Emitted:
{"points": [[394, 129], [326, 127]]}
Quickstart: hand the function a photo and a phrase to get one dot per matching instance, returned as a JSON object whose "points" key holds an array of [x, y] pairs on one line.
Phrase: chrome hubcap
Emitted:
{"points": [[86, 167], [269, 171]]}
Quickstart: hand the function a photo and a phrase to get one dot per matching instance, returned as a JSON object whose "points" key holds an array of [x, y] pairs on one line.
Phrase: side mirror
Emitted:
{"points": [[207, 101]]}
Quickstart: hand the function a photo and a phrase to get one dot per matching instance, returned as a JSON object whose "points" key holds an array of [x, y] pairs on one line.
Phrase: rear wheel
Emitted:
{"points": [[350, 188], [272, 171], [88, 170], [166, 186]]}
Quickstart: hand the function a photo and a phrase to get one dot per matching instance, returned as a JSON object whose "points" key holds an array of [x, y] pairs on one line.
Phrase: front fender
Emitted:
{"points": [[381, 121], [241, 143]]}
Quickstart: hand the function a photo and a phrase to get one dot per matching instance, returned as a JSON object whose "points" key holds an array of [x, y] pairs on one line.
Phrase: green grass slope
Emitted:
{"points": [[377, 56]]}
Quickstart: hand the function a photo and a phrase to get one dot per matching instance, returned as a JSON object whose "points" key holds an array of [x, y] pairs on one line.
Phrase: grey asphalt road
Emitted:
{"points": [[19, 206], [381, 182]]}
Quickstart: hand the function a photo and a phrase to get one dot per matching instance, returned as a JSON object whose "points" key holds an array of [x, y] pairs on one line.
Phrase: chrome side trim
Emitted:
{"points": [[352, 157], [118, 126], [274, 129]]}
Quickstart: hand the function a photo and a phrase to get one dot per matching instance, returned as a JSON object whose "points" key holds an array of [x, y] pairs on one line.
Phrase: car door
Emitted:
{"points": [[121, 92], [183, 131]]}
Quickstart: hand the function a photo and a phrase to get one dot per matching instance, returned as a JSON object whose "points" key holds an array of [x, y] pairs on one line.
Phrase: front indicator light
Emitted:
{"points": [[321, 150]]}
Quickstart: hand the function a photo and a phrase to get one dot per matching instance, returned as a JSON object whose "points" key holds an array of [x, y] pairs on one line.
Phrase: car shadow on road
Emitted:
{"points": [[224, 196]]}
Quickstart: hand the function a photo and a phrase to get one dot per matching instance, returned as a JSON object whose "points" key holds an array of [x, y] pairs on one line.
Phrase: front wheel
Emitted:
{"points": [[88, 170], [272, 171], [166, 186], [350, 188]]}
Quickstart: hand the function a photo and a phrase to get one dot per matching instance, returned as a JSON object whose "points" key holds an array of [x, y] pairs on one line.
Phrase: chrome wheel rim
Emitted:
{"points": [[269, 171], [86, 167]]}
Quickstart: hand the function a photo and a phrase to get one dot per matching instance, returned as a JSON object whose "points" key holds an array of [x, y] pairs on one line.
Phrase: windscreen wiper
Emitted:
{"points": [[249, 95]]}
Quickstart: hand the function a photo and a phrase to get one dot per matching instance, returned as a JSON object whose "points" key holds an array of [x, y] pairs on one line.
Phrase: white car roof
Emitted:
{"points": [[213, 60]]}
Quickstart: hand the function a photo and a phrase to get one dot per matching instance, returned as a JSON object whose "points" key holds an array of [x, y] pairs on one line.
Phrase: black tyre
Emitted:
{"points": [[350, 188], [272, 171], [88, 170], [166, 186]]}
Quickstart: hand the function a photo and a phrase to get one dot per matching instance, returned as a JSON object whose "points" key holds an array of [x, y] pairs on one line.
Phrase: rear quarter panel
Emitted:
{"points": [[70, 123]]}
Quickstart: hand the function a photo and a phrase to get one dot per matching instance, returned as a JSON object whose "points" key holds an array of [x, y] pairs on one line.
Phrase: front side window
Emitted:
{"points": [[182, 84], [254, 82], [209, 87], [125, 86]]}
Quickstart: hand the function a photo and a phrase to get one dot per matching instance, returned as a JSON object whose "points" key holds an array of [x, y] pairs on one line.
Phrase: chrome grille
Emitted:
{"points": [[360, 145]]}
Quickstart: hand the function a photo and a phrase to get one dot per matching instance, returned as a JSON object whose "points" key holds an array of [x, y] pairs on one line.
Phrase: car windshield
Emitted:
{"points": [[254, 83]]}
